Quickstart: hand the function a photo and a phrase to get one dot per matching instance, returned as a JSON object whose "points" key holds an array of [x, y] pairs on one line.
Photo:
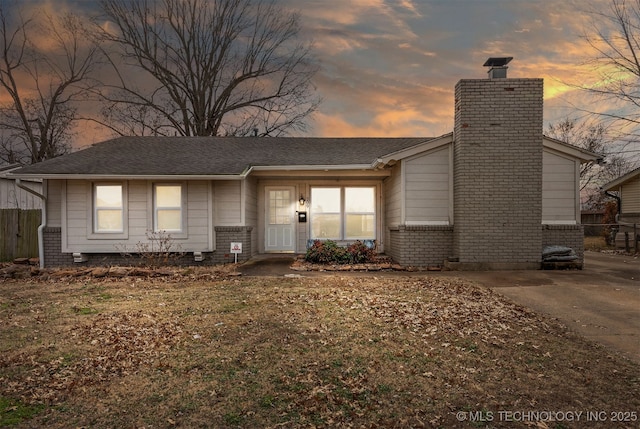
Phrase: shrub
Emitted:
{"points": [[329, 252], [610, 212], [159, 249], [360, 253]]}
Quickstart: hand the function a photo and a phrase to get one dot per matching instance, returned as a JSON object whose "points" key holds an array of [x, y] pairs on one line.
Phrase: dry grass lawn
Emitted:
{"points": [[204, 350], [596, 244]]}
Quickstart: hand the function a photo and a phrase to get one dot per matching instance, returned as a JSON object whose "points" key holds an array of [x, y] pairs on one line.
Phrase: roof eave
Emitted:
{"points": [[76, 176], [305, 167], [577, 152], [621, 180], [427, 145]]}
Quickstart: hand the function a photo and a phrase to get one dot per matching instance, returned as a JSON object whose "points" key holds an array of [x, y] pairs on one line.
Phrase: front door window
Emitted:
{"points": [[280, 226]]}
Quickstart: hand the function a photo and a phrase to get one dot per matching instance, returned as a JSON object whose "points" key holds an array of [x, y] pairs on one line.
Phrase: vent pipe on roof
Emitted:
{"points": [[497, 67]]}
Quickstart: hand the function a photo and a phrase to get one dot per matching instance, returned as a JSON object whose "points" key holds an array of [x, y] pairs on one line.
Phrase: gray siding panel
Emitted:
{"points": [[139, 212], [427, 187], [227, 203], [631, 196], [558, 188]]}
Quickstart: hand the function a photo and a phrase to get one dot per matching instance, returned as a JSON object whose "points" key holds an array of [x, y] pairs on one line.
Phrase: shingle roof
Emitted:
{"points": [[131, 156], [622, 180]]}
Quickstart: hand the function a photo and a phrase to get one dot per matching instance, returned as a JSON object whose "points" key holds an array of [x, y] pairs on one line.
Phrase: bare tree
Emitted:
{"points": [[42, 84], [207, 67], [593, 137], [614, 35]]}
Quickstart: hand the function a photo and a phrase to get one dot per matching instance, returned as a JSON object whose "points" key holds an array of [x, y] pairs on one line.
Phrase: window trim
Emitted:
{"points": [[313, 215], [92, 232], [153, 209], [343, 213]]}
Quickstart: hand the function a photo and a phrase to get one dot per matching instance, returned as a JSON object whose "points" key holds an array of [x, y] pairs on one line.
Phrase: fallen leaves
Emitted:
{"points": [[322, 351], [116, 345], [22, 272]]}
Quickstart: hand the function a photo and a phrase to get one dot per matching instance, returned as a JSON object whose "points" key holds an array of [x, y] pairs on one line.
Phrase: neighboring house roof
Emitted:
{"points": [[210, 156], [622, 180], [8, 167], [21, 196], [6, 170]]}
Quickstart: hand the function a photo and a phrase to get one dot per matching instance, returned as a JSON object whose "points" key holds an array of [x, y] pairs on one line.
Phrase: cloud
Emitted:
{"points": [[389, 67]]}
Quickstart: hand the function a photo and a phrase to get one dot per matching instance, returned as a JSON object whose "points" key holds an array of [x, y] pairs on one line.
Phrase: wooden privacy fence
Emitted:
{"points": [[19, 233]]}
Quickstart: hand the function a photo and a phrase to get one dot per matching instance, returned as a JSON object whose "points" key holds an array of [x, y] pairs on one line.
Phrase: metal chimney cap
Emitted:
{"points": [[497, 61]]}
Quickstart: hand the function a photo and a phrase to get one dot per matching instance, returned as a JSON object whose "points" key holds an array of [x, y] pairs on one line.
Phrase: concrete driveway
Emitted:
{"points": [[602, 302]]}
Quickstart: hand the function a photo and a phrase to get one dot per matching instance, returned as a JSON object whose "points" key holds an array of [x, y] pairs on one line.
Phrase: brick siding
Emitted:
{"points": [[421, 246], [498, 171], [53, 256], [564, 235], [225, 235]]}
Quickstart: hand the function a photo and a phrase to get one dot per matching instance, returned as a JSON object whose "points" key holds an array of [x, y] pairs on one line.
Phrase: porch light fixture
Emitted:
{"points": [[302, 200]]}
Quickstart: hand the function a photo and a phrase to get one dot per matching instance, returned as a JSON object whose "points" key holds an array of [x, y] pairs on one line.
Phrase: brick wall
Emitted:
{"points": [[564, 235], [225, 235], [498, 171], [420, 246], [53, 256]]}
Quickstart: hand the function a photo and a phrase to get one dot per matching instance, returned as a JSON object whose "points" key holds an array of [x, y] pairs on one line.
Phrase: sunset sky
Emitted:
{"points": [[388, 68]]}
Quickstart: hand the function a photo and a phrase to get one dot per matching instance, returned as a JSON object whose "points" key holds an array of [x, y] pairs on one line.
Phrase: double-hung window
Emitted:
{"points": [[108, 203], [359, 213], [343, 213], [167, 208]]}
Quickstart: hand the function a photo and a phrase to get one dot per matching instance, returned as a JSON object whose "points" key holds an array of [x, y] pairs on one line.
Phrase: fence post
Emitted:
{"points": [[626, 241]]}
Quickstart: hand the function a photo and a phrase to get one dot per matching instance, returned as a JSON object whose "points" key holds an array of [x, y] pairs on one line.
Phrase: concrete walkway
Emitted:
{"points": [[601, 302]]}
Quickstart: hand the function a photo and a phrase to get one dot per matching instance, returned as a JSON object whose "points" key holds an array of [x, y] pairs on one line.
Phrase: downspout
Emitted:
{"points": [[43, 224]]}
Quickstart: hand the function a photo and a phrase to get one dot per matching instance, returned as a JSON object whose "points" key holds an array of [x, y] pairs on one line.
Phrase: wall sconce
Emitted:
{"points": [[302, 200]]}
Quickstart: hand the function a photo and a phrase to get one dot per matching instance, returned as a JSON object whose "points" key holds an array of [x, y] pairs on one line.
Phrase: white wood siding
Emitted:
{"points": [[392, 202], [78, 217], [140, 213], [251, 210], [227, 203], [54, 202], [198, 217], [559, 188], [392, 186], [427, 188], [630, 194], [75, 218]]}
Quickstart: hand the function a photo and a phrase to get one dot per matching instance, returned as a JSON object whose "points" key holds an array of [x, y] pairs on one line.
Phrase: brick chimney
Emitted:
{"points": [[498, 171]]}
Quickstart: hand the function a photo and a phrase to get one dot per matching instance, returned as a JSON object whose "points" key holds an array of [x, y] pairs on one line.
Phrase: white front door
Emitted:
{"points": [[279, 219]]}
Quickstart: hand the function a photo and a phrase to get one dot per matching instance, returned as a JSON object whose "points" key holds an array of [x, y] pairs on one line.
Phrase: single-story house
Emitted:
{"points": [[628, 194], [491, 194]]}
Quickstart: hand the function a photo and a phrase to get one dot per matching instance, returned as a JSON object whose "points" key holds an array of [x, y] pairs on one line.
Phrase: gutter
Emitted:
{"points": [[43, 224], [75, 176]]}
